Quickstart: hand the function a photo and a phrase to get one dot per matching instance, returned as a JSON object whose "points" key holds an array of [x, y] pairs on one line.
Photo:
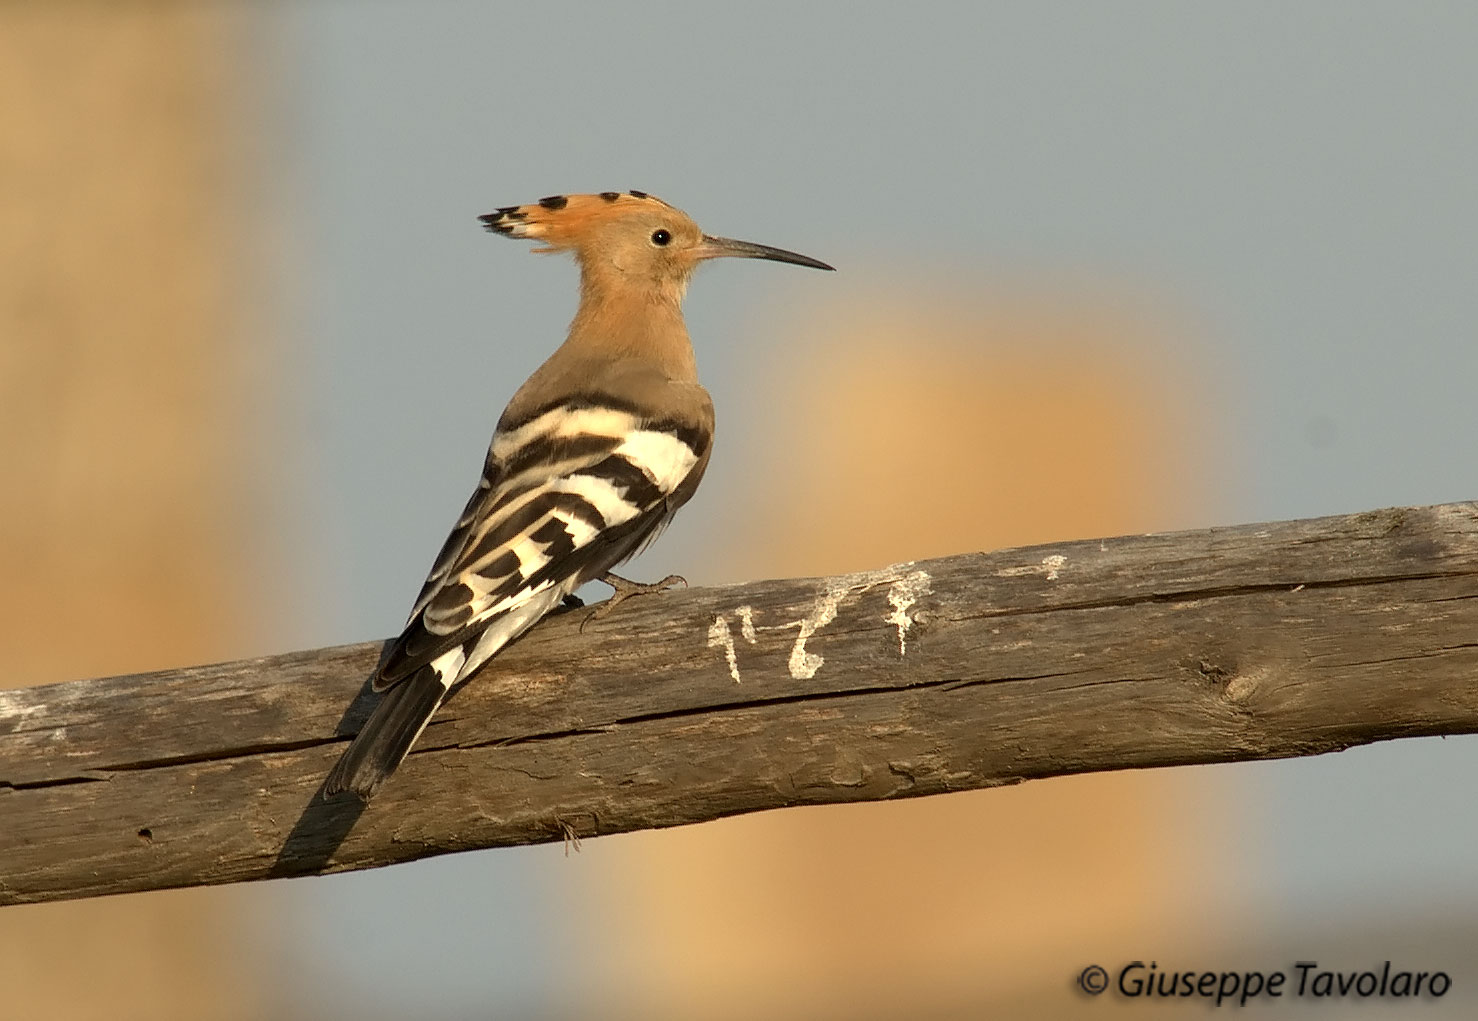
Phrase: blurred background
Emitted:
{"points": [[1102, 270]]}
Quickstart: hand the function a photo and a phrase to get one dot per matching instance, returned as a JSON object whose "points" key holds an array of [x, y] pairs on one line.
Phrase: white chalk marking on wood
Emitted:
{"points": [[746, 624], [12, 709], [902, 595], [803, 664], [1050, 567], [719, 636]]}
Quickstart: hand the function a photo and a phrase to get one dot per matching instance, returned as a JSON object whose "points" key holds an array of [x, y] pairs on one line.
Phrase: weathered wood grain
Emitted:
{"points": [[970, 671]]}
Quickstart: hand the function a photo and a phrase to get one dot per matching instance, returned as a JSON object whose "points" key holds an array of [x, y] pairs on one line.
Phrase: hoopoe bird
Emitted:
{"points": [[589, 461]]}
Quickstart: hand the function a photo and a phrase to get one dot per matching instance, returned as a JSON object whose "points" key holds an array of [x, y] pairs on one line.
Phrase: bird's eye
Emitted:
{"points": [[660, 237]]}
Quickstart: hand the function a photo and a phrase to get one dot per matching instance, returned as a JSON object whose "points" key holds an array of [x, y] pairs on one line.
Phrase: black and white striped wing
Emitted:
{"points": [[564, 498]]}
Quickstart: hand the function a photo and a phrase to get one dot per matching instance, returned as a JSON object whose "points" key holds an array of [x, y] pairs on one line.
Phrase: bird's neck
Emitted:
{"points": [[619, 319]]}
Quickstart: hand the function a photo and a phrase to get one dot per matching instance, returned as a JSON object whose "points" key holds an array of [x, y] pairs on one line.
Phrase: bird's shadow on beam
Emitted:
{"points": [[324, 824], [322, 828]]}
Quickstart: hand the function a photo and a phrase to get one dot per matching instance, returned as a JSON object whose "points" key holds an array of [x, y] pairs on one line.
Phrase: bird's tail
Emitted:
{"points": [[387, 735]]}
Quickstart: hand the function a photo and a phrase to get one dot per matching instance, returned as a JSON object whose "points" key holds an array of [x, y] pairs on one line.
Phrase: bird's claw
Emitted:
{"points": [[623, 589]]}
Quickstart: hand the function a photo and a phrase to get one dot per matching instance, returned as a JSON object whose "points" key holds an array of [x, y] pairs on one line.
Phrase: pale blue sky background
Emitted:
{"points": [[1296, 180]]}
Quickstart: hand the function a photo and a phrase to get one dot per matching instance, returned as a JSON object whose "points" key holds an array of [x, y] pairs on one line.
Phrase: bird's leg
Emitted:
{"points": [[624, 589]]}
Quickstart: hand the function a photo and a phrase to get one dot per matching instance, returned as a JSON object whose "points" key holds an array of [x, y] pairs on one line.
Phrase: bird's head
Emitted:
{"points": [[628, 239]]}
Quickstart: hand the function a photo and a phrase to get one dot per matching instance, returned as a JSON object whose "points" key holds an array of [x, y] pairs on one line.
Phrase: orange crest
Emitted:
{"points": [[561, 221]]}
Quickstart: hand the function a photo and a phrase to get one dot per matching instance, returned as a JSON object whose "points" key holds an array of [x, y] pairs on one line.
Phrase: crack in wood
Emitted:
{"points": [[724, 708], [1199, 595]]}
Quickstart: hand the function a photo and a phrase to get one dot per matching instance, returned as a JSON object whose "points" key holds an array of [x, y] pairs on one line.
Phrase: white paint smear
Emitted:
{"points": [[11, 707], [1050, 567], [746, 624], [803, 664], [902, 595], [719, 636]]}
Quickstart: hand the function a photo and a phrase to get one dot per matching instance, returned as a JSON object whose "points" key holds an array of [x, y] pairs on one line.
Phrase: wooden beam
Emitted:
{"points": [[1251, 642]]}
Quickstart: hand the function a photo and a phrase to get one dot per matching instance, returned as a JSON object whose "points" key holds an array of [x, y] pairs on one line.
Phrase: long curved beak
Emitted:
{"points": [[718, 248]]}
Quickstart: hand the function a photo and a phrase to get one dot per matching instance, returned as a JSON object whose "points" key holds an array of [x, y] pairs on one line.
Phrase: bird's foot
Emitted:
{"points": [[624, 589]]}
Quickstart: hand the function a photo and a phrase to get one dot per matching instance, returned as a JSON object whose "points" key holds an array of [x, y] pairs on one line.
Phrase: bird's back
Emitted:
{"points": [[590, 460]]}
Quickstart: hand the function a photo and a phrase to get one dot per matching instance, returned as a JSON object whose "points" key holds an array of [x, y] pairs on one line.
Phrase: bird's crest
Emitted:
{"points": [[560, 221]]}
